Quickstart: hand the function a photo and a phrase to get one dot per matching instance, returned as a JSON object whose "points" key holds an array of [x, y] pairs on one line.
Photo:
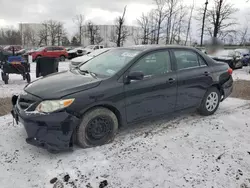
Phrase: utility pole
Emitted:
{"points": [[203, 22]]}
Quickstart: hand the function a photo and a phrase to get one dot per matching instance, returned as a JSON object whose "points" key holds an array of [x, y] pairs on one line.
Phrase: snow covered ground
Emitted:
{"points": [[188, 151], [241, 74], [16, 82]]}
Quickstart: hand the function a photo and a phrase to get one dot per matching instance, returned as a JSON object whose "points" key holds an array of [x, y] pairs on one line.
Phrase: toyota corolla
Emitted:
{"points": [[87, 105]]}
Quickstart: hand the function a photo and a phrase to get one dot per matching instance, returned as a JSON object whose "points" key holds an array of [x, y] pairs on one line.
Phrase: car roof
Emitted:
{"points": [[156, 47]]}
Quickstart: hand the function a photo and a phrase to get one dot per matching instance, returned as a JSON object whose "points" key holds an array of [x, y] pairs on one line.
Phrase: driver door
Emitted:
{"points": [[156, 93]]}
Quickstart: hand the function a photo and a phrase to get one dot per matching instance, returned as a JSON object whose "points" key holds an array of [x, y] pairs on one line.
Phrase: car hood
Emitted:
{"points": [[61, 84], [82, 59]]}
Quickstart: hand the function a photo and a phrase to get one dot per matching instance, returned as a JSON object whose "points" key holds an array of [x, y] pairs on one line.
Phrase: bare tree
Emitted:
{"points": [[203, 22], [121, 32], [79, 21], [136, 35], [10, 36], [43, 34], [51, 31], [189, 23], [180, 24], [93, 33], [144, 24], [173, 8], [153, 27], [65, 40], [220, 18], [161, 14]]}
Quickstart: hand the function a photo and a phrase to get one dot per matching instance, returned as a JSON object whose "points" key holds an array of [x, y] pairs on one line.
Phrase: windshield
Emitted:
{"points": [[6, 47], [40, 49], [109, 63]]}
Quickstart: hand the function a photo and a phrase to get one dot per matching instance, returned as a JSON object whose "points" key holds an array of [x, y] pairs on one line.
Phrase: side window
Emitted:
{"points": [[49, 49], [186, 59], [101, 47], [56, 48], [201, 61], [153, 64], [96, 47]]}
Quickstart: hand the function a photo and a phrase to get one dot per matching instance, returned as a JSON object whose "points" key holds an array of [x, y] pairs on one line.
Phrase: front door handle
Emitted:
{"points": [[171, 80], [206, 73]]}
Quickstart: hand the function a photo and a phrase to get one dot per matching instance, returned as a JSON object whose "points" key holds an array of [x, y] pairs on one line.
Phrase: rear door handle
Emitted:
{"points": [[171, 80]]}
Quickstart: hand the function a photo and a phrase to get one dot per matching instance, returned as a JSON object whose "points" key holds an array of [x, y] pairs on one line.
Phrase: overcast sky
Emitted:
{"points": [[13, 12]]}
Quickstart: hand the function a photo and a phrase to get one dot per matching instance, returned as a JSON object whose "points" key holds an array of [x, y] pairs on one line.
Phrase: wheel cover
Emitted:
{"points": [[62, 58], [99, 128], [212, 101]]}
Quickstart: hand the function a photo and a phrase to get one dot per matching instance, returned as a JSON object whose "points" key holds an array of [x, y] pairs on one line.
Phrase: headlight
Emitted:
{"points": [[53, 105]]}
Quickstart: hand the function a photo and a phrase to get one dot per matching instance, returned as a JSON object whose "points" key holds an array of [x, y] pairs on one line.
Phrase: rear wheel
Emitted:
{"points": [[28, 77], [62, 58], [210, 102], [98, 127], [37, 58]]}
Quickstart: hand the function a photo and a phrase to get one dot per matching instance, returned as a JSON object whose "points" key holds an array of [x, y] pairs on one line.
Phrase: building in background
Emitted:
{"points": [[30, 33], [107, 31]]}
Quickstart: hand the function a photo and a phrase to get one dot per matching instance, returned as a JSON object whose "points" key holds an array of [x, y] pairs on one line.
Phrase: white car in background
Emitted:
{"points": [[92, 48], [80, 51], [82, 59]]}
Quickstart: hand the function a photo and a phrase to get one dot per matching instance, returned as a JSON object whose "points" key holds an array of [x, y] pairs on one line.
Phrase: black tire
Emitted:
{"points": [[5, 78], [39, 56], [208, 100], [94, 122], [28, 77], [62, 58]]}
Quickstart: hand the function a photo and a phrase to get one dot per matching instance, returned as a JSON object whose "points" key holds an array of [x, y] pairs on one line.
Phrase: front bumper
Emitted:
{"points": [[53, 132], [227, 88]]}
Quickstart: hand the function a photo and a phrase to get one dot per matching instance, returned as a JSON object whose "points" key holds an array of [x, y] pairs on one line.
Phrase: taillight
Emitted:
{"points": [[230, 71]]}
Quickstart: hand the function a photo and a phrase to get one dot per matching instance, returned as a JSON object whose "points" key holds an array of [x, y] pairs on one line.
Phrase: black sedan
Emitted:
{"points": [[87, 105]]}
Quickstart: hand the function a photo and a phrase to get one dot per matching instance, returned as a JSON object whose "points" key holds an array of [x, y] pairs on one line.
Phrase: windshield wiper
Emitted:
{"points": [[87, 72]]}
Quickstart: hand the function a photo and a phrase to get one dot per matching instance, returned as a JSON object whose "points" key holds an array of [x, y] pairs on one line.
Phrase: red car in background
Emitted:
{"points": [[50, 51]]}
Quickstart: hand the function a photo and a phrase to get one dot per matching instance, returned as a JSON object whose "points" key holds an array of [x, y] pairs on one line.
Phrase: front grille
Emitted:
{"points": [[28, 102]]}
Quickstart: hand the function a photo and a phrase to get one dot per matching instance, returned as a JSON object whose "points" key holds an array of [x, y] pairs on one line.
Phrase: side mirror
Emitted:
{"points": [[45, 50], [137, 75]]}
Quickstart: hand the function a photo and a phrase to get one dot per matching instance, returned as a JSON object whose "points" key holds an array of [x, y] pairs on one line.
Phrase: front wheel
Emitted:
{"points": [[98, 127], [210, 102], [28, 77]]}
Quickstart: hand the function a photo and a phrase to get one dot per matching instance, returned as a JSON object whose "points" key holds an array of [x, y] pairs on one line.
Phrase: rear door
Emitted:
{"points": [[194, 78], [49, 52], [57, 51]]}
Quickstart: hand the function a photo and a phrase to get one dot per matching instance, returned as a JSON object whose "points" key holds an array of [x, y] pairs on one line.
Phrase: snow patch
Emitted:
{"points": [[187, 151]]}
